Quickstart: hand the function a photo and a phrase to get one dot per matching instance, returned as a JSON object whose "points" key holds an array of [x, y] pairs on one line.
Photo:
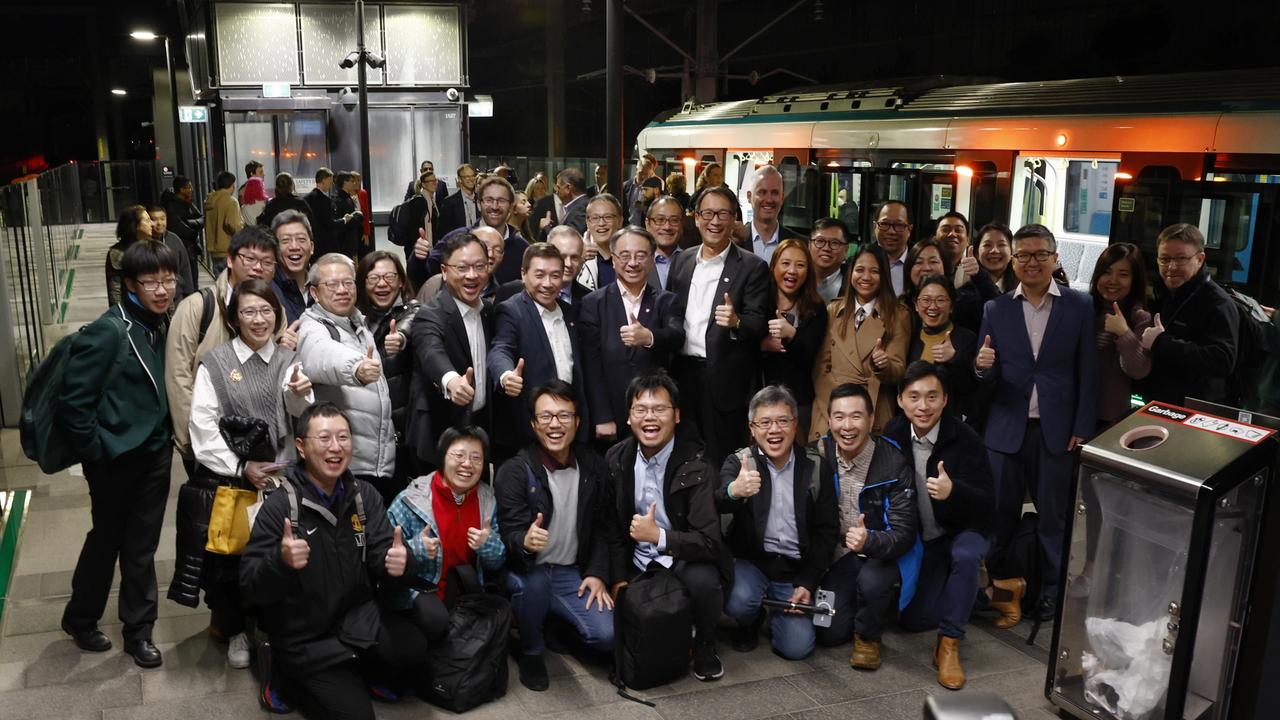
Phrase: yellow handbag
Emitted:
{"points": [[229, 522]]}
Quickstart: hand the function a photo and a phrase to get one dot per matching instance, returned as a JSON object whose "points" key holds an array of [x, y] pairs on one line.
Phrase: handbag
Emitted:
{"points": [[229, 521], [248, 437]]}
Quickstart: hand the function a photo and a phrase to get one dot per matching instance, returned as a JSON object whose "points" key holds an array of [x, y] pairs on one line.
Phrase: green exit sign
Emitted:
{"points": [[193, 114]]}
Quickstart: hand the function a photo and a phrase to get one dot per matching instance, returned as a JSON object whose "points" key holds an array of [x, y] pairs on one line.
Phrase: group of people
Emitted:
{"points": [[561, 409]]}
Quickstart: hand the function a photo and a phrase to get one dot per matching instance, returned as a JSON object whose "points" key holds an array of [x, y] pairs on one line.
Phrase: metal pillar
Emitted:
{"points": [[363, 81], [553, 33], [708, 66], [614, 147], [178, 163]]}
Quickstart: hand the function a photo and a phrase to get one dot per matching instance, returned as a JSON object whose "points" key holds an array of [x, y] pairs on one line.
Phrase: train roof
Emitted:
{"points": [[1234, 91]]}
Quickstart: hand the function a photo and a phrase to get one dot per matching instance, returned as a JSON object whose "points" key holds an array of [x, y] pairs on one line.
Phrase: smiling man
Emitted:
{"points": [[766, 196], [292, 231], [892, 229], [665, 221]]}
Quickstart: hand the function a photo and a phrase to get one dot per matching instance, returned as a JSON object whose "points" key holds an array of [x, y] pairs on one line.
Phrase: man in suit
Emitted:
{"points": [[569, 243], [665, 221], [628, 328], [633, 189], [441, 190], [829, 241], [724, 290], [602, 176], [450, 339], [459, 210], [892, 230], [571, 209], [604, 218], [1039, 354], [495, 197], [326, 224], [766, 231]]}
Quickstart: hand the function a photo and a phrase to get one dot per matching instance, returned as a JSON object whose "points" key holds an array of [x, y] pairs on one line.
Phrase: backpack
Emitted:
{"points": [[40, 427], [469, 666], [653, 631], [1251, 348], [400, 226]]}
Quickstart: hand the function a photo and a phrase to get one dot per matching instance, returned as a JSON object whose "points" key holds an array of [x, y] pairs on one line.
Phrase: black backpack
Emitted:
{"points": [[400, 228], [469, 667], [653, 631], [1251, 349]]}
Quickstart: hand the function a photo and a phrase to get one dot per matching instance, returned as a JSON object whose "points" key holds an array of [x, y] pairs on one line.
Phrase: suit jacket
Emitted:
{"points": [[848, 359], [784, 233], [732, 355], [577, 291], [610, 364], [655, 279], [324, 221], [452, 215], [519, 334], [575, 213], [1065, 374], [439, 341]]}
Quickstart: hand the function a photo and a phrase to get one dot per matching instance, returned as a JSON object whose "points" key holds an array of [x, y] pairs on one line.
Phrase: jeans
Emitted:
{"points": [[793, 636], [864, 596], [554, 589], [948, 585]]}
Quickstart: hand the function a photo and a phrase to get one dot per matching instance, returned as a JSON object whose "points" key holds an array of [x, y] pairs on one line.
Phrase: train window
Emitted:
{"points": [[1090, 186]]}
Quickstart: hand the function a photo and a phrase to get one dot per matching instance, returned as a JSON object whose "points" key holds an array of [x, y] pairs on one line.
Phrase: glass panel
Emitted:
{"points": [[1090, 184], [800, 205], [437, 136], [941, 198], [304, 147], [250, 136], [391, 159], [329, 35], [843, 193], [1125, 579], [424, 46], [257, 43]]}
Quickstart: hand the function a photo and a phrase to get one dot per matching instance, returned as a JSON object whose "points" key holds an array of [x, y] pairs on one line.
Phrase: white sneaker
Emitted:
{"points": [[238, 652]]}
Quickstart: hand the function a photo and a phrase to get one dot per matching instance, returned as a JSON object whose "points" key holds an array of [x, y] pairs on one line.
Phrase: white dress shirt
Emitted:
{"points": [[704, 295], [558, 335], [475, 338]]}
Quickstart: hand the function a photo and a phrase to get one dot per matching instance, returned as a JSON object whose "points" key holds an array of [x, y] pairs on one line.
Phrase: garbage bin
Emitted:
{"points": [[1168, 514]]}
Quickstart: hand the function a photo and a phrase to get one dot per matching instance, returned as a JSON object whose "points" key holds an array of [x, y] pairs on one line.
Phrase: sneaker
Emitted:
{"points": [[706, 664], [269, 697], [238, 651], [533, 672]]}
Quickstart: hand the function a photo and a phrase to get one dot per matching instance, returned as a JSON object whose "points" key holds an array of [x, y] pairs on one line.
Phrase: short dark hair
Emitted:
{"points": [[887, 203], [611, 199], [653, 206], [251, 167], [323, 174], [284, 184], [851, 390], [720, 190], [145, 257], [456, 241], [253, 236], [575, 179], [539, 250], [224, 179], [1182, 232], [1036, 230], [462, 432], [825, 223], [920, 370], [556, 388], [341, 177], [181, 181], [957, 215], [157, 208], [323, 409], [260, 288], [652, 382], [998, 228], [943, 281], [633, 230]]}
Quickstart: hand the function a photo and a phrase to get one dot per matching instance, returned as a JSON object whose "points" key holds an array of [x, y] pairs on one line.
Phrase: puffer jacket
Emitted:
{"points": [[331, 364]]}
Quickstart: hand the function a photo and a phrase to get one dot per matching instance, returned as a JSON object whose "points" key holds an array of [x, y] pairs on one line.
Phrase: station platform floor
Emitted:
{"points": [[44, 675]]}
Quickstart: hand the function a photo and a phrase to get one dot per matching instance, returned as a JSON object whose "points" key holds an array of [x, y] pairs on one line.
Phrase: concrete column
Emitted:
{"points": [[553, 34], [708, 52]]}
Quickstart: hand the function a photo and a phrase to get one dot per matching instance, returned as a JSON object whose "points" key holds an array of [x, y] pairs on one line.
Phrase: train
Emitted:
{"points": [[1097, 160]]}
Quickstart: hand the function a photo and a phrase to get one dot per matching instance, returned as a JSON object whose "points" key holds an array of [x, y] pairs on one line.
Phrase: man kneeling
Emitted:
{"points": [[665, 495]]}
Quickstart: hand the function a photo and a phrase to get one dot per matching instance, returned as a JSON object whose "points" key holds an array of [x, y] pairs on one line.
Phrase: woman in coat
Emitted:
{"points": [[797, 325], [868, 331], [249, 377], [114, 409], [1119, 290], [285, 199], [133, 225]]}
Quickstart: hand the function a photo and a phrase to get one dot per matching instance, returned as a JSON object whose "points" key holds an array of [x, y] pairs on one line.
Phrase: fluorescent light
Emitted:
{"points": [[143, 35], [119, 91]]}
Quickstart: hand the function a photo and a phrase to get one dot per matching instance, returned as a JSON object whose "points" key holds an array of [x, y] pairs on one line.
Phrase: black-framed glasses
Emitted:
{"points": [[251, 261], [1039, 256], [828, 243], [894, 226], [721, 215], [544, 418]]}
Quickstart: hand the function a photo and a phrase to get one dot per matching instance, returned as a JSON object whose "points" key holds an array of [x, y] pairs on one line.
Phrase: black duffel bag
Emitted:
{"points": [[469, 666], [653, 630]]}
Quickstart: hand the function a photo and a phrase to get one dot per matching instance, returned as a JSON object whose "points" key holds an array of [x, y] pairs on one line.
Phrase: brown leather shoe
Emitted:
{"points": [[946, 657], [1010, 609], [866, 653]]}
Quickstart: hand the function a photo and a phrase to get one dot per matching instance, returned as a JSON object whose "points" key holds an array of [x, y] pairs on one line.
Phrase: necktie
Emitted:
{"points": [[858, 318]]}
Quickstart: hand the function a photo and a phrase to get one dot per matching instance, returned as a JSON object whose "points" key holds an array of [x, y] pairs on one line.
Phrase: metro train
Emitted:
{"points": [[1096, 160]]}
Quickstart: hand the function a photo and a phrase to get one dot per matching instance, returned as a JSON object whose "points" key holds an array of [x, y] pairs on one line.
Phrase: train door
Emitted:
{"points": [[929, 192]]}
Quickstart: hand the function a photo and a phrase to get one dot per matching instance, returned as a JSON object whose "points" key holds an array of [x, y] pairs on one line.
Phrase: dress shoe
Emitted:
{"points": [[946, 657], [866, 653], [91, 640], [533, 672], [1009, 604], [1047, 609], [145, 654]]}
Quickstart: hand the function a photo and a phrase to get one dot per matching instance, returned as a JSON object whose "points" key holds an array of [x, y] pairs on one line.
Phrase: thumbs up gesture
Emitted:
{"points": [[634, 334], [545, 222], [430, 543], [1115, 322], [397, 557], [986, 358], [747, 483], [477, 537], [513, 380], [856, 537], [780, 327], [644, 528], [295, 552], [422, 246], [370, 368], [1150, 334], [299, 383], [969, 263], [944, 351], [879, 357], [462, 389], [535, 538], [939, 487], [725, 315], [289, 338], [394, 341]]}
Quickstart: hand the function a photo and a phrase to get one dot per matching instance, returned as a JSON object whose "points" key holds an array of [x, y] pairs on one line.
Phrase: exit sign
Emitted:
{"points": [[276, 90], [193, 114]]}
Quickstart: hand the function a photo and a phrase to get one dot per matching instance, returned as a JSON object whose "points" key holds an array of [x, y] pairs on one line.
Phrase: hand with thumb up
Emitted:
{"points": [[725, 315], [295, 552], [644, 528], [944, 351], [969, 263], [1114, 322], [634, 334], [939, 487], [535, 538], [856, 537], [397, 557], [545, 222], [986, 358], [1150, 334], [394, 341], [462, 388], [289, 338], [780, 327], [477, 537], [370, 368], [299, 383], [879, 357], [513, 380], [430, 543]]}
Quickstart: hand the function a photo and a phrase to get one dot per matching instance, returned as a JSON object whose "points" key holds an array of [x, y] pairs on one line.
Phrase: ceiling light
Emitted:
{"points": [[119, 91], [143, 35]]}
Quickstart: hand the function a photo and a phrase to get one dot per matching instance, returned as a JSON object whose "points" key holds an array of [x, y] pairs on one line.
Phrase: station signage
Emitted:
{"points": [[193, 114]]}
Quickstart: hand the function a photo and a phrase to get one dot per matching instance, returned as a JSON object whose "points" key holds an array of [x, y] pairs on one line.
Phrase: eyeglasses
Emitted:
{"points": [[335, 285], [643, 411], [544, 418], [462, 456], [1040, 256], [379, 278], [602, 218], [665, 219], [770, 423], [477, 268], [894, 226], [721, 215], [466, 177], [259, 312], [251, 261], [494, 201], [150, 286], [933, 302], [344, 439], [627, 257], [827, 243], [1174, 261]]}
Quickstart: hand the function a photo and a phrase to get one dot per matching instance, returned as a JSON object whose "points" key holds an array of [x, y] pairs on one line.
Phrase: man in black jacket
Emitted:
{"points": [[326, 223], [784, 526], [1193, 343], [664, 492], [553, 509], [955, 500], [876, 503], [318, 551], [185, 219]]}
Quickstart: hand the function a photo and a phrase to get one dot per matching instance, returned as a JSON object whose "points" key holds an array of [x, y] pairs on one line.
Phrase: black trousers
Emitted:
{"points": [[723, 431], [127, 497], [864, 593]]}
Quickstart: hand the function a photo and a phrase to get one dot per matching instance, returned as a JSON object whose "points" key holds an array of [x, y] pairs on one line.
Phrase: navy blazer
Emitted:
{"points": [[518, 333], [612, 365], [1065, 374]]}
